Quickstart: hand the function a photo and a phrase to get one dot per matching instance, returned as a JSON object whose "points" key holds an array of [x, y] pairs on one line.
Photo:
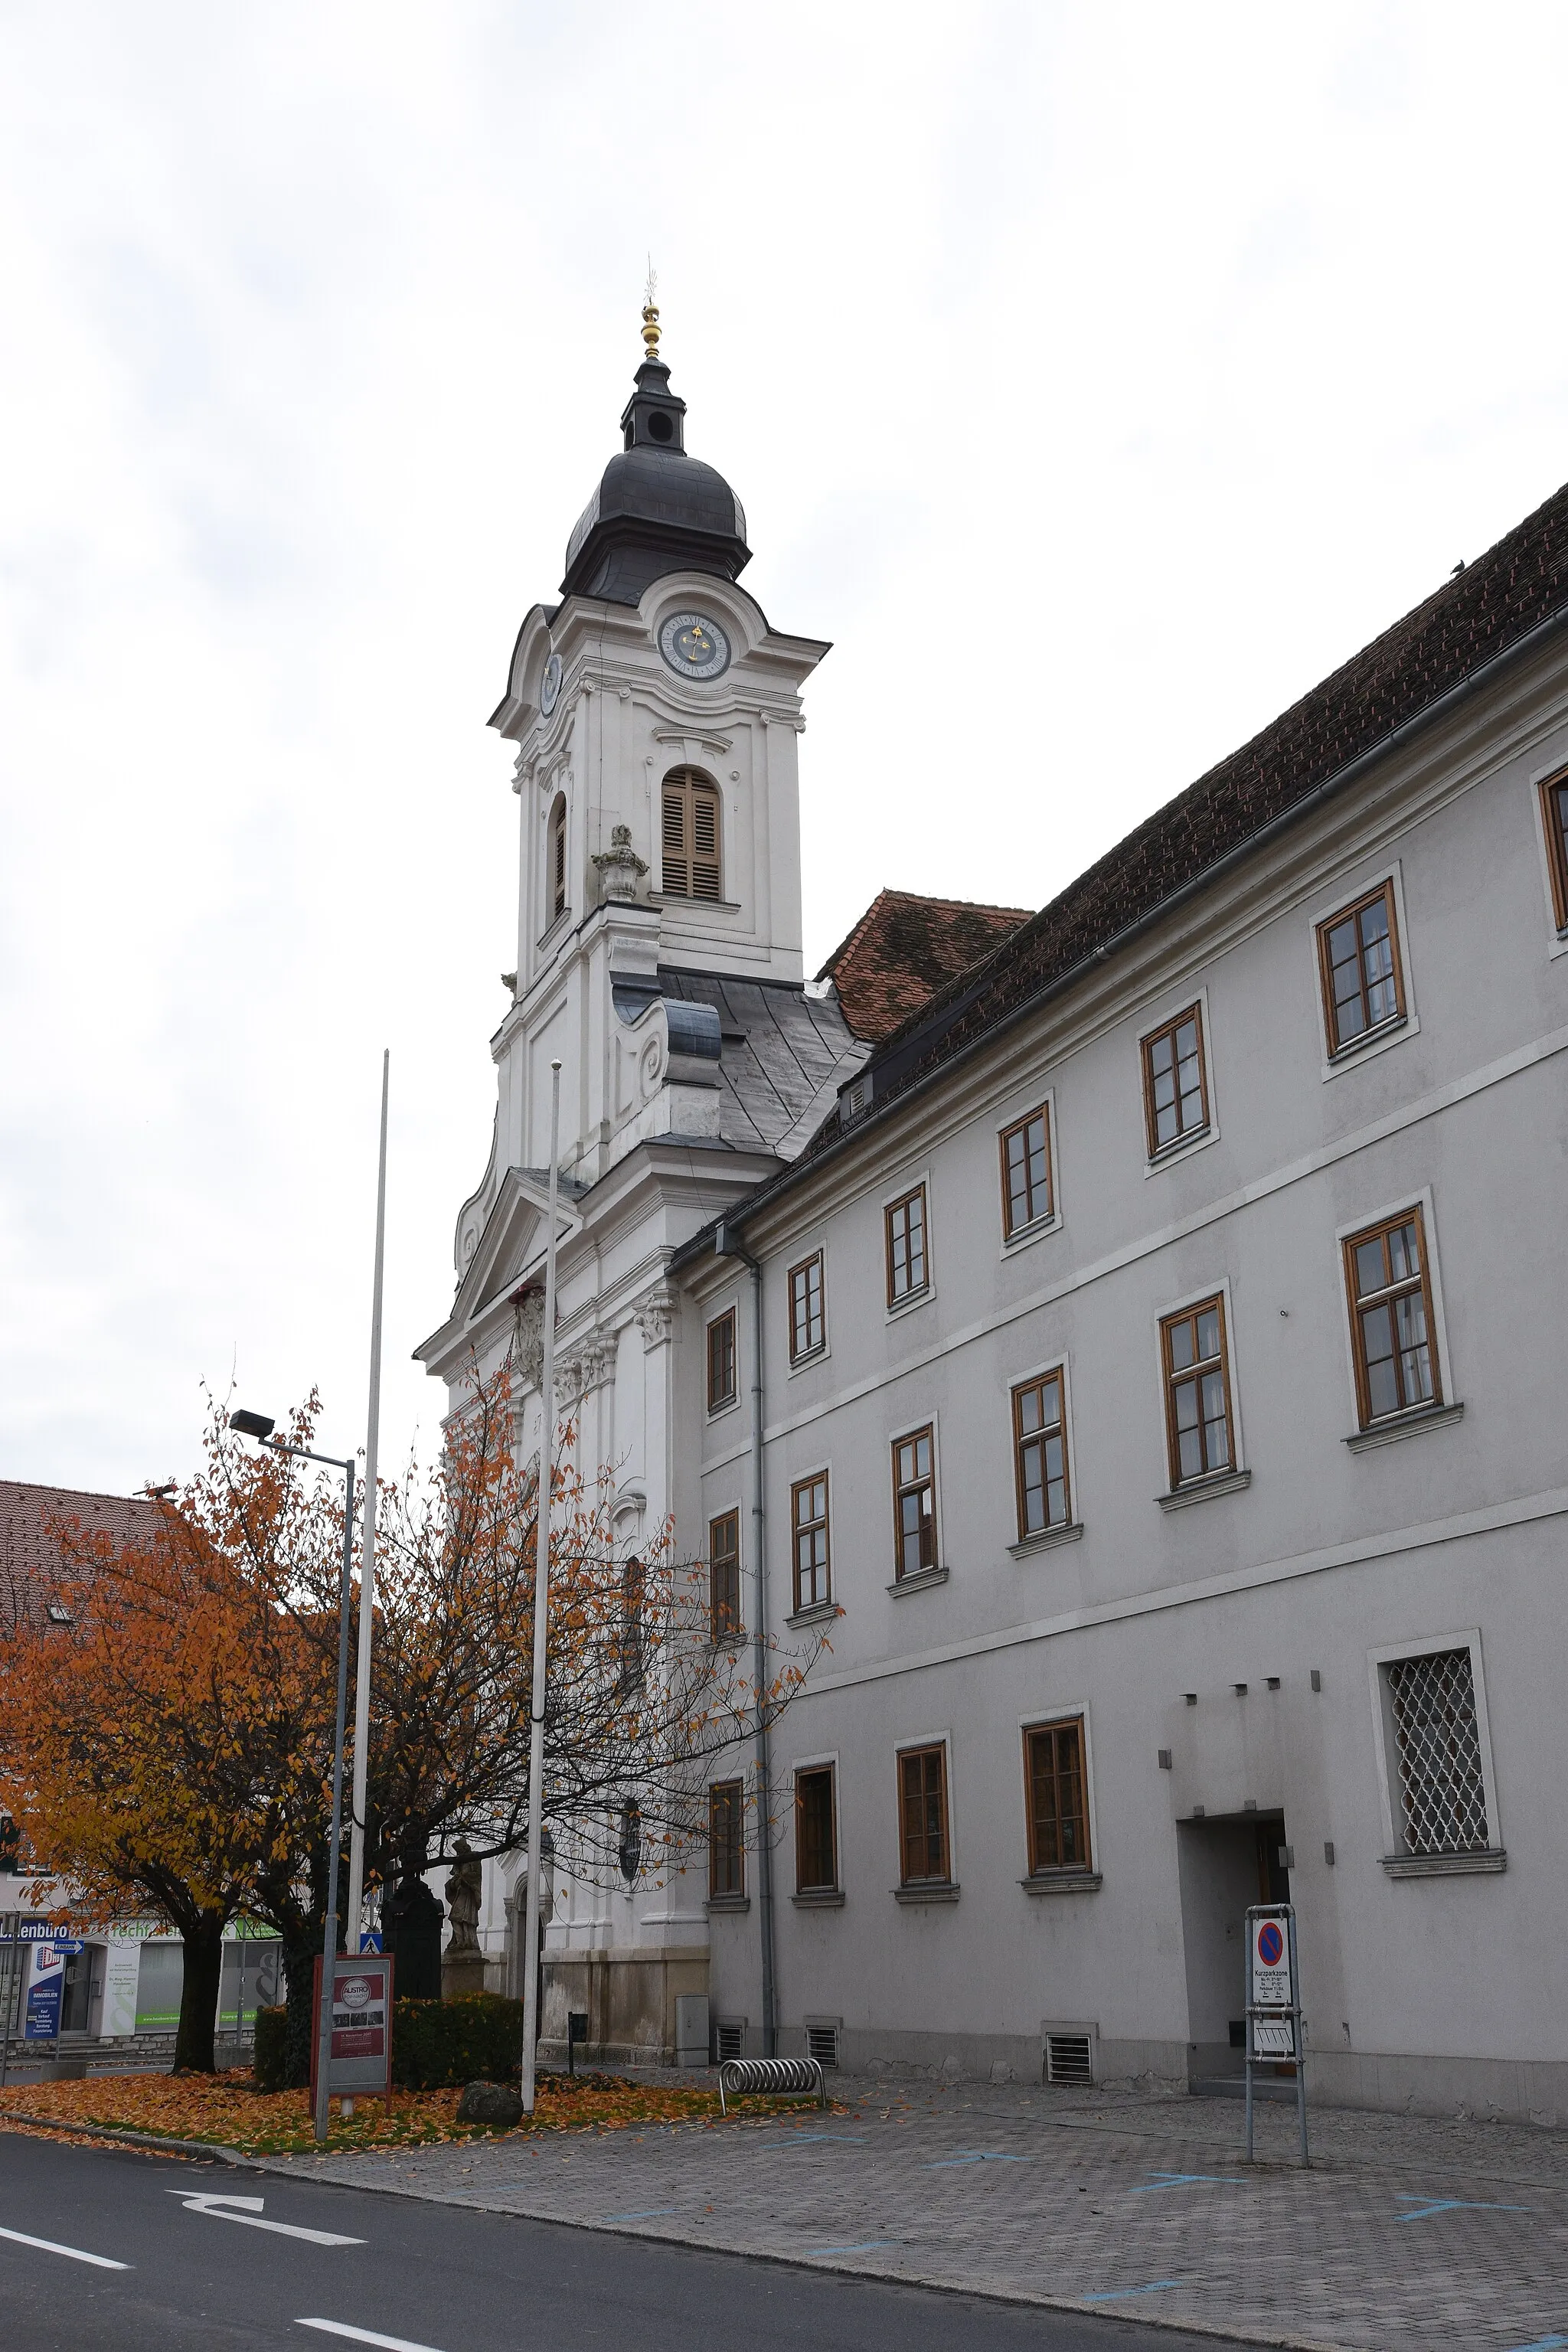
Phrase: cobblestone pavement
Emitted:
{"points": [[1407, 2231]]}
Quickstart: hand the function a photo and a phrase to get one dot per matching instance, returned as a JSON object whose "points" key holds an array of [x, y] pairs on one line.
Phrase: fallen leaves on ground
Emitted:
{"points": [[227, 2110]]}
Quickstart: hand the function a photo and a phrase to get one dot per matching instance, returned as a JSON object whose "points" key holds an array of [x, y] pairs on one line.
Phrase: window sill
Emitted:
{"points": [[1485, 1862], [819, 1898], [676, 900], [1063, 1882], [803, 1363], [1025, 1234], [1405, 1425], [561, 922], [818, 1613], [728, 1903], [1069, 1532], [919, 1581], [940, 1891], [729, 1406], [1384, 1029], [909, 1301], [1179, 1143], [1224, 1482]]}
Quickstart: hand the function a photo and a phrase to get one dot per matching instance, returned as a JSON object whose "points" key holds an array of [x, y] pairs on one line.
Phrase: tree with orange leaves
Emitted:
{"points": [[185, 1759]]}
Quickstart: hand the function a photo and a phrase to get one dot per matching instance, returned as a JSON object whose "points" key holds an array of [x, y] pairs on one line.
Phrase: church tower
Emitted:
{"points": [[656, 717]]}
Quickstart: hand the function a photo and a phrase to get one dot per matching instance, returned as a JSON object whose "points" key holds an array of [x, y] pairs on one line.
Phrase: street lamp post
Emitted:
{"points": [[258, 1425]]}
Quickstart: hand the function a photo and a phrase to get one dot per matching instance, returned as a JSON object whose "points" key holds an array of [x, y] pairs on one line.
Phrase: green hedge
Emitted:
{"points": [[272, 2061], [477, 2038]]}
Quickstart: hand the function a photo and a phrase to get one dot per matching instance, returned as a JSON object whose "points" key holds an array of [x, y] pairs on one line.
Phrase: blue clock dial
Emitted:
{"points": [[550, 686], [694, 645]]}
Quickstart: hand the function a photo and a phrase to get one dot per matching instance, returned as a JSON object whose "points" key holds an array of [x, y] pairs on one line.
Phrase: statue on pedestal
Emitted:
{"points": [[463, 1963]]}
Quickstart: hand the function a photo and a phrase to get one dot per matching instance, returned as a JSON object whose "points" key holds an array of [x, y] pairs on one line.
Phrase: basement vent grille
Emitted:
{"points": [[822, 2043], [1067, 2059], [727, 2041]]}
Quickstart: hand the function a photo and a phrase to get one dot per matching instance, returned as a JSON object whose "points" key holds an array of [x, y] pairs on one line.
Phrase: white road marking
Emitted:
{"points": [[366, 2336], [221, 2209], [48, 2246]]}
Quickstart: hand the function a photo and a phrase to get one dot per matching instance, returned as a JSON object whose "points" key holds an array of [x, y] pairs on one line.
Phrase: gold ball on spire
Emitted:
{"points": [[650, 330]]}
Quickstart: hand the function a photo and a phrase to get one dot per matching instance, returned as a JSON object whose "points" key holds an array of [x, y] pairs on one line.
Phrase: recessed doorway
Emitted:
{"points": [[1225, 1865]]}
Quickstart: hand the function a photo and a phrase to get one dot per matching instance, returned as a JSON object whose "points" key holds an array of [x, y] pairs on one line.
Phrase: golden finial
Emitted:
{"points": [[650, 315]]}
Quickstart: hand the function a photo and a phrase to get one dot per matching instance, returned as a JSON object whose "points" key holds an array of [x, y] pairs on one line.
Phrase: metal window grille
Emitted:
{"points": [[822, 2043], [1438, 1748], [727, 2040], [1068, 2059]]}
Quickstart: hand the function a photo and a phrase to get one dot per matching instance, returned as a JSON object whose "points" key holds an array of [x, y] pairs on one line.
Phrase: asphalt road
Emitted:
{"points": [[428, 2278]]}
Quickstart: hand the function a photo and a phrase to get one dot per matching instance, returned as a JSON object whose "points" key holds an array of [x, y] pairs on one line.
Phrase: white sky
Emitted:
{"points": [[1096, 376]]}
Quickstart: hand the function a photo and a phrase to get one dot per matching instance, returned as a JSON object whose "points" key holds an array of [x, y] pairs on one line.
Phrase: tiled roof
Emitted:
{"points": [[903, 948], [784, 1056], [30, 1550], [1479, 614]]}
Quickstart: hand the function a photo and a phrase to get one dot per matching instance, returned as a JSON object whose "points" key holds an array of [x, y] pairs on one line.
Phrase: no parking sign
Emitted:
{"points": [[1272, 1985]]}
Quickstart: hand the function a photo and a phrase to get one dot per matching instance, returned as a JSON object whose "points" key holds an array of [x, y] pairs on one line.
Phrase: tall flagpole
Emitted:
{"points": [[354, 1922], [541, 1616]]}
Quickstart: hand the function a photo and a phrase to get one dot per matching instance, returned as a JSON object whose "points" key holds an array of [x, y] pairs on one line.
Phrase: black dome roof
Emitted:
{"points": [[656, 510]]}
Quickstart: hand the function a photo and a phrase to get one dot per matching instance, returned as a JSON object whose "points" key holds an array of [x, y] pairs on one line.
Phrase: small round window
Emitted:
{"points": [[659, 429]]}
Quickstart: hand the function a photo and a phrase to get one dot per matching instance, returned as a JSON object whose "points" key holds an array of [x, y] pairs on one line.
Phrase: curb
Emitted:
{"points": [[131, 2139]]}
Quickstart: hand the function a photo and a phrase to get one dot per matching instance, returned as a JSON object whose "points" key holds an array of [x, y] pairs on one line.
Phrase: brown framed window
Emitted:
{"points": [[1197, 1391], [722, 1360], [558, 856], [1054, 1794], [808, 1522], [815, 1837], [726, 1839], [1554, 817], [1026, 1172], [724, 1574], [1040, 1454], [806, 1328], [1175, 1082], [922, 1815], [907, 1263], [690, 835], [1389, 1282], [1358, 956], [914, 1503]]}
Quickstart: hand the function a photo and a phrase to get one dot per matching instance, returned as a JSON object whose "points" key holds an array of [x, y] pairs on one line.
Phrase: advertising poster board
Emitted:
{"points": [[360, 2066], [45, 1985]]}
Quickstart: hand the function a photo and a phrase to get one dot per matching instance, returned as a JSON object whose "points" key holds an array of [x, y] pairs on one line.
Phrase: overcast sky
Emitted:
{"points": [[1095, 376]]}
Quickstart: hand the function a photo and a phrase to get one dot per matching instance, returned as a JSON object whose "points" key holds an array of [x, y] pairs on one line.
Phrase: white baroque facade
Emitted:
{"points": [[1162, 1351]]}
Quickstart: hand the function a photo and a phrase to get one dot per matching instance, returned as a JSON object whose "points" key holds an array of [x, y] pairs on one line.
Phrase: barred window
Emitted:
{"points": [[806, 1328], [1026, 1173], [1040, 1454], [1389, 1281], [1358, 956], [690, 835], [906, 1241], [726, 1839], [724, 1574], [1442, 1792], [1175, 1082], [1054, 1781], [815, 1843], [808, 1518], [722, 1360], [1554, 817], [922, 1814], [914, 1503], [1197, 1391]]}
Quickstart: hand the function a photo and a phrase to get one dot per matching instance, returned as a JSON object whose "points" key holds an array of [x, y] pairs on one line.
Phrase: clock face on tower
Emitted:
{"points": [[550, 686], [694, 647]]}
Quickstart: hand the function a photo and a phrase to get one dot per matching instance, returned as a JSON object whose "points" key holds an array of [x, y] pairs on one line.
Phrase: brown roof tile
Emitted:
{"points": [[32, 1558], [903, 948]]}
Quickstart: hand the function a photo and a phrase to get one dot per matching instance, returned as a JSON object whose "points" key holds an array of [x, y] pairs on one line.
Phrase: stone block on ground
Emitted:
{"points": [[489, 2103]]}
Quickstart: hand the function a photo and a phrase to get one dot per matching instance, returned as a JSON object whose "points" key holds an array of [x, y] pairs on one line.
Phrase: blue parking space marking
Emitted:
{"points": [[976, 2155], [1119, 2294], [864, 2248], [1429, 2205], [1542, 2344], [1188, 2180]]}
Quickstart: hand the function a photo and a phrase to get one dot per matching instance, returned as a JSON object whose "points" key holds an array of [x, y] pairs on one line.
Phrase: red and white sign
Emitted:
{"points": [[1269, 1964], [361, 2062]]}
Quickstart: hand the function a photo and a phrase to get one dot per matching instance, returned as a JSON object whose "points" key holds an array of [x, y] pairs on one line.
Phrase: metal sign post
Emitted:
{"points": [[1275, 2024]]}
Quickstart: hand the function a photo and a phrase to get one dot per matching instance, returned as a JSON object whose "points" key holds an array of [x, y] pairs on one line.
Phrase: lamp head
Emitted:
{"points": [[252, 1425]]}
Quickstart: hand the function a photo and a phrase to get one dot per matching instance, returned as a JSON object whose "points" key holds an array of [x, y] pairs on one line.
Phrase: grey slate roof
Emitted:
{"points": [[785, 1057]]}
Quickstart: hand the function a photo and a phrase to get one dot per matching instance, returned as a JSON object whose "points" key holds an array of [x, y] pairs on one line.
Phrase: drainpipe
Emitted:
{"points": [[727, 1244]]}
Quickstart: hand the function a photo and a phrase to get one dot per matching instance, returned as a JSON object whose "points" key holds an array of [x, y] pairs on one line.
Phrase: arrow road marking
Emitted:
{"points": [[222, 2208], [1429, 2206], [48, 2246], [366, 2335]]}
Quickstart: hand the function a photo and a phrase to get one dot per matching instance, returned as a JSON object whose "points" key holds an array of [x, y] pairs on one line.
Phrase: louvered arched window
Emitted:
{"points": [[558, 856], [690, 835]]}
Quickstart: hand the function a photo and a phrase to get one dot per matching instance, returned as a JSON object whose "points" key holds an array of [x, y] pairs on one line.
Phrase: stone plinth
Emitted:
{"points": [[466, 1974]]}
